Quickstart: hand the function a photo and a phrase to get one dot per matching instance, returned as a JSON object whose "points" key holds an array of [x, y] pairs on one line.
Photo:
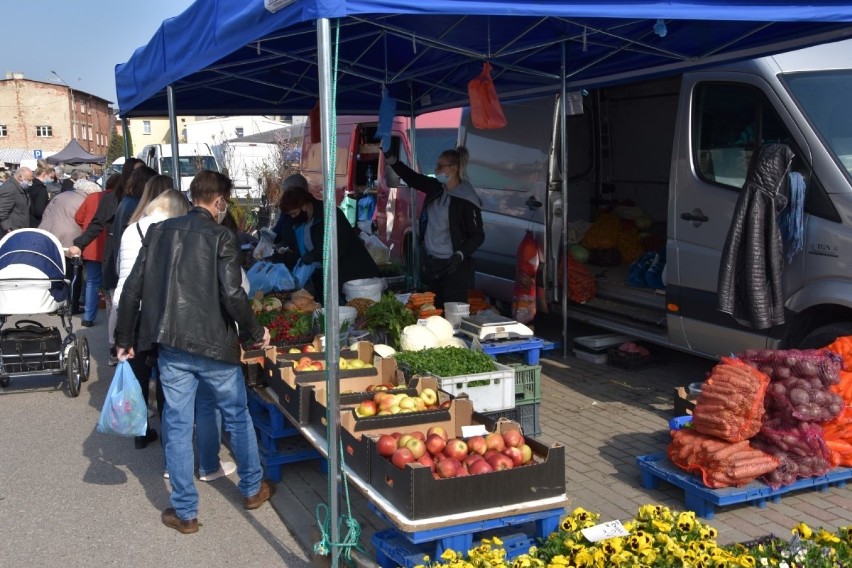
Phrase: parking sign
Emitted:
{"points": [[37, 154]]}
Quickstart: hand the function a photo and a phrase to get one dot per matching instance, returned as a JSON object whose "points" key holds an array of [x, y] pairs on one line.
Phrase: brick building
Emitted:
{"points": [[35, 115]]}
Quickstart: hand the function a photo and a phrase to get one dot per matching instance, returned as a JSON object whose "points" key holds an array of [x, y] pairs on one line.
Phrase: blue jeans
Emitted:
{"points": [[181, 374], [208, 429], [94, 282]]}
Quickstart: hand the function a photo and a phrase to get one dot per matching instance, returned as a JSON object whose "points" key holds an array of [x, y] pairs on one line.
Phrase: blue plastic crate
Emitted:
{"points": [[531, 348], [292, 449], [268, 417], [703, 500], [680, 422]]}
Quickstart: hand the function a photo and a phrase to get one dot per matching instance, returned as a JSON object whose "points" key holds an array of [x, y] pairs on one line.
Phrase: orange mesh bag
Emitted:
{"points": [[485, 110], [730, 406], [581, 283], [720, 463]]}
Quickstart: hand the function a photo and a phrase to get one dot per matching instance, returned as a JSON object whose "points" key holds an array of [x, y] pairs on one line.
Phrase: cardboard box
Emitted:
{"points": [[683, 403], [418, 495], [253, 362]]}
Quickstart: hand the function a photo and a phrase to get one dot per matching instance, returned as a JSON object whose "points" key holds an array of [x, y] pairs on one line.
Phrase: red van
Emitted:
{"points": [[361, 171]]}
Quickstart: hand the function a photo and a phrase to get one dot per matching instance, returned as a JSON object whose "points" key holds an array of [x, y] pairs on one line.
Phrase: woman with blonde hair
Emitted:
{"points": [[168, 204], [154, 187]]}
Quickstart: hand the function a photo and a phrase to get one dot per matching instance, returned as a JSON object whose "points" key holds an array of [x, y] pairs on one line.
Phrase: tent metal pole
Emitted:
{"points": [[563, 157], [412, 199], [332, 325], [173, 137], [125, 128]]}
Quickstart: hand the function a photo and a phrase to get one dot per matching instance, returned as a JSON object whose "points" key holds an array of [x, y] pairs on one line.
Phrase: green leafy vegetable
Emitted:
{"points": [[391, 316], [446, 361]]}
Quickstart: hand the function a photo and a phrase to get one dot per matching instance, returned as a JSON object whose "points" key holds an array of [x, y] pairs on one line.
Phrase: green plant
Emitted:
{"points": [[391, 316]]}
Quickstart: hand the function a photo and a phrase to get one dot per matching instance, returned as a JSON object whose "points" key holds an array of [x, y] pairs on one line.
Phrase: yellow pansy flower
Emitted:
{"points": [[803, 530]]}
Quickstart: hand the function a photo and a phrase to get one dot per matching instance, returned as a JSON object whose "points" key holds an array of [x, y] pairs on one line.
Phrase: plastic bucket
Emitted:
{"points": [[370, 288], [344, 313], [455, 311]]}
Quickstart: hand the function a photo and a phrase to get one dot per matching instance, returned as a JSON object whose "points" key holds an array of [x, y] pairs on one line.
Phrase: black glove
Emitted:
{"points": [[453, 264]]}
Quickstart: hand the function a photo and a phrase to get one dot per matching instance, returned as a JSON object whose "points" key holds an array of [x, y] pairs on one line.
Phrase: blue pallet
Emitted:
{"points": [[531, 348], [395, 546], [703, 500], [288, 450], [268, 417]]}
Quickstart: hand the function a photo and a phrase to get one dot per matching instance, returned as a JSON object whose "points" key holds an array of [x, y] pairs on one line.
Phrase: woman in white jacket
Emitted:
{"points": [[168, 204]]}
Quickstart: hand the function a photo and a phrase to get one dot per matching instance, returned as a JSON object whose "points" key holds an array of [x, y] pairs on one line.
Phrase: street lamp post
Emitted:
{"points": [[73, 106]]}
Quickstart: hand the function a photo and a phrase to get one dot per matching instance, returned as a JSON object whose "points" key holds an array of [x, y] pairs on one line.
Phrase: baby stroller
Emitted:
{"points": [[32, 281]]}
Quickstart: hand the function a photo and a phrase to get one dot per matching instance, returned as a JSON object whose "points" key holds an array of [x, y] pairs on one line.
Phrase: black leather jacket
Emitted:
{"points": [[187, 280]]}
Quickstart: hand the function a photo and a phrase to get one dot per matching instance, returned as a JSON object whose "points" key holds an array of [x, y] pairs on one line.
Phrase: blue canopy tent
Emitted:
{"points": [[275, 57]]}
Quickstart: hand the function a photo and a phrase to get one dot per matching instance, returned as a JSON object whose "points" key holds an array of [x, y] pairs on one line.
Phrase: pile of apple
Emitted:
{"points": [[456, 457], [385, 402], [308, 364]]}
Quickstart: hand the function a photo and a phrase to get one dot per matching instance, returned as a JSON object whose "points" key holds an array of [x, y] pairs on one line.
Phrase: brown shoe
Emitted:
{"points": [[171, 520], [262, 496]]}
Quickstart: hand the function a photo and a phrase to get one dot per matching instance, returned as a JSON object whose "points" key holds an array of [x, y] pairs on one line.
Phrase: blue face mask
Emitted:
{"points": [[443, 178]]}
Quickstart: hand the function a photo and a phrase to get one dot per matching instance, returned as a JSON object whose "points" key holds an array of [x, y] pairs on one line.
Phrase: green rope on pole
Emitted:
{"points": [[353, 529]]}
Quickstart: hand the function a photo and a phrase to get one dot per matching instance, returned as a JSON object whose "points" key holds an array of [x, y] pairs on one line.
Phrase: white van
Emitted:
{"points": [[677, 150], [192, 158]]}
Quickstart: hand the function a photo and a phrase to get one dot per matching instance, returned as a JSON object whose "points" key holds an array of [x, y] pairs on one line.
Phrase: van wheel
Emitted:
{"points": [[825, 335]]}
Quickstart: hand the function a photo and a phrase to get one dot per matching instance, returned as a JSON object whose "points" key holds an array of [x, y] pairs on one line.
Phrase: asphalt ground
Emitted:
{"points": [[70, 496]]}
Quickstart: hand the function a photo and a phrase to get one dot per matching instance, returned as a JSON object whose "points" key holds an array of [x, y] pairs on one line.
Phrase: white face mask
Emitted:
{"points": [[443, 178], [25, 184], [220, 214]]}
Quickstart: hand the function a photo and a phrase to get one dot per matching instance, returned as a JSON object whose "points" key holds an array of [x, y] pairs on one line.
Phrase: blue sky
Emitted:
{"points": [[82, 40]]}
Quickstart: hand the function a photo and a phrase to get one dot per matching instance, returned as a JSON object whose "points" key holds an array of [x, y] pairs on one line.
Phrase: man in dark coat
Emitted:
{"points": [[38, 193], [14, 201]]}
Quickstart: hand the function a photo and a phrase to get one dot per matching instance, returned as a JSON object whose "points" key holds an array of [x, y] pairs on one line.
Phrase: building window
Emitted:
{"points": [[3, 130], [239, 131], [146, 127], [44, 131], [89, 133], [83, 108]]}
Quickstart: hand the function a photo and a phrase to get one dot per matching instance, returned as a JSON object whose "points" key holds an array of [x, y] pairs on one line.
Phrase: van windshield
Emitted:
{"points": [[189, 165], [823, 98]]}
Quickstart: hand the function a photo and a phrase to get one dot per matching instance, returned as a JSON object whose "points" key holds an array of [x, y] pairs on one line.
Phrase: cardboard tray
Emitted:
{"points": [[418, 495], [253, 363]]}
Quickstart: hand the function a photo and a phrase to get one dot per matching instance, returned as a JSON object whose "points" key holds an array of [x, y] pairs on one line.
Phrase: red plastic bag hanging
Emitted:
{"points": [[485, 110], [314, 118], [526, 267]]}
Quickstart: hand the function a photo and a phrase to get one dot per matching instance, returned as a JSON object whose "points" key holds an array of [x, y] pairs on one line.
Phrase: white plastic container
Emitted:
{"points": [[369, 288], [497, 392], [455, 311]]}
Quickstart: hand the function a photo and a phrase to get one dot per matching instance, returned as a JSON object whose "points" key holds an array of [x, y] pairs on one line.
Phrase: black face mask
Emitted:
{"points": [[301, 218]]}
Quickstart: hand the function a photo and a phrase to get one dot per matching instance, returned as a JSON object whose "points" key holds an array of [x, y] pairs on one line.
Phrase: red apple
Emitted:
{"points": [[377, 398], [401, 457], [419, 435], [512, 438], [462, 472], [435, 475], [439, 456], [396, 435], [471, 459], [456, 448], [402, 440], [499, 462], [439, 430], [309, 349], [366, 408], [435, 444], [481, 466], [515, 455], [526, 452], [427, 460], [477, 445], [448, 468], [445, 404], [494, 441], [386, 445], [418, 448]]}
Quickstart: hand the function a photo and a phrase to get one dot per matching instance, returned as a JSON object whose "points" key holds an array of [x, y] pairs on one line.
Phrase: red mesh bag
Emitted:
{"points": [[720, 463], [799, 447], [731, 405], [802, 363], [485, 110]]}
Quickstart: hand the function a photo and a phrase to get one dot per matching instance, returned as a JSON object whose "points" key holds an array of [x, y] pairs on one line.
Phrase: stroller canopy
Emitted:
{"points": [[32, 255]]}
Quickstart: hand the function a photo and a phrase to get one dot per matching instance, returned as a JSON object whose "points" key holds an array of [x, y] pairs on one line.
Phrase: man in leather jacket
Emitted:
{"points": [[188, 274]]}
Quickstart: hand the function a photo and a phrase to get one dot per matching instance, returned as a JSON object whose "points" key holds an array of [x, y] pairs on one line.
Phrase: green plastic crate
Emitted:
{"points": [[527, 380]]}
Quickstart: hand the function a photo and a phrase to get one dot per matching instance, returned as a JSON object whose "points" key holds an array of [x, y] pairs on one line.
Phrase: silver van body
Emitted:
{"points": [[678, 149]]}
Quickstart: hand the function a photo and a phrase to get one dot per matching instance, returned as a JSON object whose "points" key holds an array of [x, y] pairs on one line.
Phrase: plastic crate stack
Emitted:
{"points": [[527, 396], [279, 442]]}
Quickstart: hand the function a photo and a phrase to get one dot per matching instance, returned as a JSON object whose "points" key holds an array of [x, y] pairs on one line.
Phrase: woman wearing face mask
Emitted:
{"points": [[305, 234], [450, 224]]}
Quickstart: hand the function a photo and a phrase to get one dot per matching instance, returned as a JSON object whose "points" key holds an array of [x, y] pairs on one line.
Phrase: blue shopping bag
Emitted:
{"points": [[124, 412]]}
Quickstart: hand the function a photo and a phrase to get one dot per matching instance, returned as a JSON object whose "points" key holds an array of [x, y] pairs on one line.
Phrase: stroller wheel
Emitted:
{"points": [[86, 365], [73, 370], [4, 382]]}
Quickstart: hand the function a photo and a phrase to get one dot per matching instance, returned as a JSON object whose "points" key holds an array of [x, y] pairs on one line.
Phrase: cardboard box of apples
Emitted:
{"points": [[253, 362], [514, 469]]}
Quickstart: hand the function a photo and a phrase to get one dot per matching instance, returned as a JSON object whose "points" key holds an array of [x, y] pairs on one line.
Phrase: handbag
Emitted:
{"points": [[124, 412], [29, 342]]}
